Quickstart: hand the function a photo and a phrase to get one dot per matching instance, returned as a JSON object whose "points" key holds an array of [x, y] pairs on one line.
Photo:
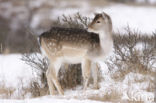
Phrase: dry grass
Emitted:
{"points": [[113, 96], [5, 92]]}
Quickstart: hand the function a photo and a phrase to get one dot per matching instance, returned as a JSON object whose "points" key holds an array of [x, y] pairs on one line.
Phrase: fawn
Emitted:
{"points": [[73, 45]]}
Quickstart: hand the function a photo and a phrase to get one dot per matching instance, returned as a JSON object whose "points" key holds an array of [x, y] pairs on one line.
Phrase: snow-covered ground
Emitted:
{"points": [[13, 70], [49, 99]]}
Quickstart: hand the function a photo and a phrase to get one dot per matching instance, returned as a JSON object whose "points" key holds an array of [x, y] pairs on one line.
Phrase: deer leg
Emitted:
{"points": [[95, 75], [53, 71], [56, 68], [86, 64], [50, 83]]}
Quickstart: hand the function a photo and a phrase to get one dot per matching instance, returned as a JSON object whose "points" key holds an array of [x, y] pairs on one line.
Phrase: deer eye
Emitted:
{"points": [[98, 22]]}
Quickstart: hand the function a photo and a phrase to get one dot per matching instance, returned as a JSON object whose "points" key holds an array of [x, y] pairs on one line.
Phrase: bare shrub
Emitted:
{"points": [[134, 53], [75, 21], [39, 66]]}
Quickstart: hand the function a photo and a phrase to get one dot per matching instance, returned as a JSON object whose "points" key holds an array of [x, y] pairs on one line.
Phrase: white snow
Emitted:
{"points": [[141, 19], [50, 100], [13, 70]]}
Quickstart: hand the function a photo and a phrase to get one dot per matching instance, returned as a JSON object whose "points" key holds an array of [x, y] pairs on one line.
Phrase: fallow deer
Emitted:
{"points": [[73, 45]]}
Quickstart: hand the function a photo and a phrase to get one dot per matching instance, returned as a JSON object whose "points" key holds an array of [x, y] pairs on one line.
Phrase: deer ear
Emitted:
{"points": [[103, 14]]}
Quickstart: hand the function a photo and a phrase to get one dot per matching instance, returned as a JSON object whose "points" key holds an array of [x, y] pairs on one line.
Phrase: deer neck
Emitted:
{"points": [[106, 41]]}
